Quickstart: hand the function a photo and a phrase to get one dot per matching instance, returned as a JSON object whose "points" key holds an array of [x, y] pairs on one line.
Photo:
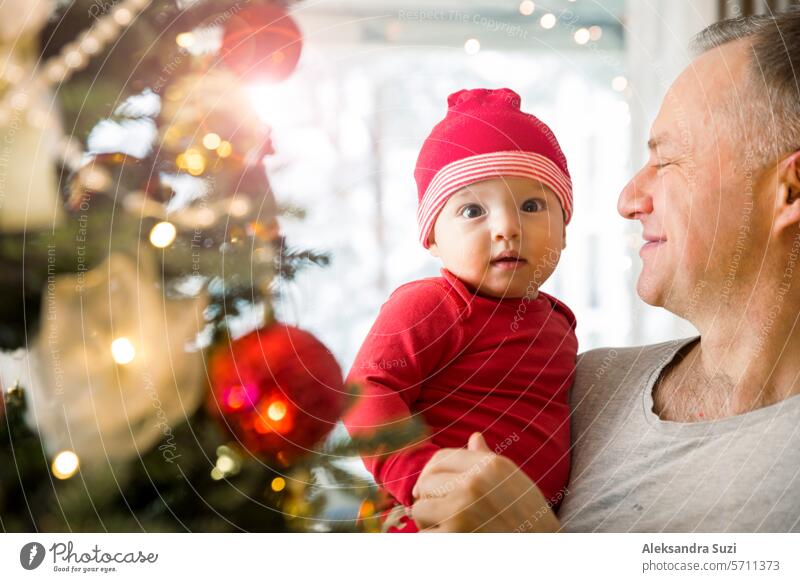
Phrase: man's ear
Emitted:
{"points": [[787, 211]]}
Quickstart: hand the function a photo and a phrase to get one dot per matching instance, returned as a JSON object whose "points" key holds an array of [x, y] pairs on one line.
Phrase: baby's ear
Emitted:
{"points": [[432, 248]]}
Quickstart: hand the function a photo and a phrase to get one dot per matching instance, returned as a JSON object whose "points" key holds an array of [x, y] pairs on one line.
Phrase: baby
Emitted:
{"points": [[479, 349]]}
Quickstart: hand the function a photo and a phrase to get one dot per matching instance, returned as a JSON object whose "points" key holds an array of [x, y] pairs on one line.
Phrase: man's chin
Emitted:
{"points": [[650, 291]]}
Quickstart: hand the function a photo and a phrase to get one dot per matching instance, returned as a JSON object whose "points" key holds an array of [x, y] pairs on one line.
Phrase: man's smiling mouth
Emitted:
{"points": [[651, 242]]}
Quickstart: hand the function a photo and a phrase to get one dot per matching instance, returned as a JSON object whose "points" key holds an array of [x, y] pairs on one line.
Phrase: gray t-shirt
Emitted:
{"points": [[631, 471]]}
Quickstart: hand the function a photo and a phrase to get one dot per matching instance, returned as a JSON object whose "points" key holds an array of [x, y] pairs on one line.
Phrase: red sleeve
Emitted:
{"points": [[416, 334]]}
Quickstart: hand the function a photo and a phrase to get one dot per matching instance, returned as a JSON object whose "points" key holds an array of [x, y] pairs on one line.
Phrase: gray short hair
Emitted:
{"points": [[774, 70]]}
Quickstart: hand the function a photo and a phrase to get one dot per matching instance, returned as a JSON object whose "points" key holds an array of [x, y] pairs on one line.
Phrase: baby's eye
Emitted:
{"points": [[534, 205], [471, 211]]}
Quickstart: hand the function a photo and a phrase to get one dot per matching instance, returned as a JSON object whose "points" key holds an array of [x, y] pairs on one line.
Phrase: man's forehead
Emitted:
{"points": [[696, 98], [711, 75]]}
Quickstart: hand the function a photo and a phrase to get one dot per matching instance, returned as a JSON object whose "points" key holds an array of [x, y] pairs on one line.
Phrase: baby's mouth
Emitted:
{"points": [[508, 260]]}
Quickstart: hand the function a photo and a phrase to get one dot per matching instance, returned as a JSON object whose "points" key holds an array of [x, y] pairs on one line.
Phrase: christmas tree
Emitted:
{"points": [[147, 385]]}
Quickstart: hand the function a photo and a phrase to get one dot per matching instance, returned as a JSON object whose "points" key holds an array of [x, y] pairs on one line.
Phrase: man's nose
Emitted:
{"points": [[635, 198], [505, 225]]}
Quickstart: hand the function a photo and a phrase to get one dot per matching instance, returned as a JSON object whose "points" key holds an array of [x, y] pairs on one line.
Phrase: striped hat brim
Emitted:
{"points": [[466, 171]]}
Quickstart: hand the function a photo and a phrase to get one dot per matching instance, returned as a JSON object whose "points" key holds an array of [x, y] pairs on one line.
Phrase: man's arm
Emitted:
{"points": [[473, 489]]}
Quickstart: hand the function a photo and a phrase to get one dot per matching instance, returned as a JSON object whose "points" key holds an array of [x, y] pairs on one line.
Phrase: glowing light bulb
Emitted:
{"points": [[582, 35], [527, 7], [547, 21], [619, 83], [55, 71], [273, 418], [472, 46], [90, 45], [163, 234], [65, 464], [276, 410], [211, 141], [225, 149], [123, 16], [278, 484], [225, 464], [192, 161], [184, 39], [239, 207], [74, 59], [122, 350], [595, 32]]}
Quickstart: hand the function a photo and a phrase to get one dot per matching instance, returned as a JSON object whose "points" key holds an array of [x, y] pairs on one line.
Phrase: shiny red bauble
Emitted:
{"points": [[262, 43], [278, 390]]}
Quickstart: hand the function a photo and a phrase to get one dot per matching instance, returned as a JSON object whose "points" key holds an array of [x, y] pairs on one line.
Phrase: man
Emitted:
{"points": [[700, 434]]}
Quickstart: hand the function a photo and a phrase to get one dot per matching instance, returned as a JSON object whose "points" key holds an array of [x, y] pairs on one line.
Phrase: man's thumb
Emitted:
{"points": [[478, 443]]}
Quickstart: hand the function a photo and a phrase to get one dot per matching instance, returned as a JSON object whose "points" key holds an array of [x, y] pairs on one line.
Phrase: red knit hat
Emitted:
{"points": [[485, 135]]}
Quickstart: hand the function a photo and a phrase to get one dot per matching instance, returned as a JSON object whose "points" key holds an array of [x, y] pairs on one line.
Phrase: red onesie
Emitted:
{"points": [[467, 363]]}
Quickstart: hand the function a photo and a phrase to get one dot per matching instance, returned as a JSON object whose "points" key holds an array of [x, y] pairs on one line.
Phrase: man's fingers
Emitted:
{"points": [[457, 461], [437, 484], [431, 513]]}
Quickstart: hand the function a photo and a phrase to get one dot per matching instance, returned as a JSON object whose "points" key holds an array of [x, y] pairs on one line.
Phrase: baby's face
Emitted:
{"points": [[501, 236]]}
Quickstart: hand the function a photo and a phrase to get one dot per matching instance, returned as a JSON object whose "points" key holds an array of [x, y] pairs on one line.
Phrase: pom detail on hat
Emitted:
{"points": [[485, 135]]}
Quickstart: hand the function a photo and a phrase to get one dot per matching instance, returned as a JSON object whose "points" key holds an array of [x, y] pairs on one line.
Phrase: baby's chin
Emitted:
{"points": [[509, 294], [513, 291], [503, 287]]}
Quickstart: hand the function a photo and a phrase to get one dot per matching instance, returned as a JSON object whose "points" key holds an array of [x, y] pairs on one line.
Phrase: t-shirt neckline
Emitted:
{"points": [[703, 428]]}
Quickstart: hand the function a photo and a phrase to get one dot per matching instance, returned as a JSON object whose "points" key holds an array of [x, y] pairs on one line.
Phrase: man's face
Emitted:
{"points": [[695, 197], [503, 236]]}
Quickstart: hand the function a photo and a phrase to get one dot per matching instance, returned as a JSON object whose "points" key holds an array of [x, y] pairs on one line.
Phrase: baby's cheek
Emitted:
{"points": [[548, 252], [460, 264], [472, 269]]}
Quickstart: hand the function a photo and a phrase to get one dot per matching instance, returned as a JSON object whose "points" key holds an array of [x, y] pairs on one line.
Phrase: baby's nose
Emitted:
{"points": [[505, 225]]}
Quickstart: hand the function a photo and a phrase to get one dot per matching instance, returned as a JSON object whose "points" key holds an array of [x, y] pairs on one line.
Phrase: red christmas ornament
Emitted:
{"points": [[262, 43], [279, 390]]}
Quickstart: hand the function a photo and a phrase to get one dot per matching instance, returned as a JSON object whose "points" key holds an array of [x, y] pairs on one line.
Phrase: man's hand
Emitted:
{"points": [[476, 490]]}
